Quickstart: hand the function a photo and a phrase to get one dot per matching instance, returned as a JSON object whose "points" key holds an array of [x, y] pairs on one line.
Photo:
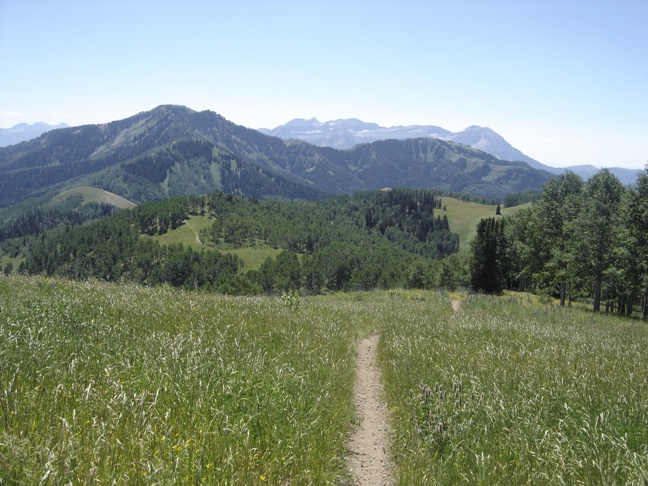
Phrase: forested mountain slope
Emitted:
{"points": [[372, 239], [174, 150]]}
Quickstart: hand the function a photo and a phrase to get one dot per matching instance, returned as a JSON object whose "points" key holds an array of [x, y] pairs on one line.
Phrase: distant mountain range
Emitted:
{"points": [[24, 131], [347, 133], [172, 150]]}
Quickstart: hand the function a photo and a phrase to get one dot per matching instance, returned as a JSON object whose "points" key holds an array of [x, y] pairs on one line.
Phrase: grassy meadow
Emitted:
{"points": [[93, 194], [463, 217], [507, 391], [133, 385], [188, 235]]}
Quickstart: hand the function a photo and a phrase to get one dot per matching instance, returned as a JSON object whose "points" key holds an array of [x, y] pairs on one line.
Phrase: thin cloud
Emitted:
{"points": [[11, 113]]}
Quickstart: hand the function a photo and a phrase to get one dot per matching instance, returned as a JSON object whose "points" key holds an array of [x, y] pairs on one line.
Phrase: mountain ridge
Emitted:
{"points": [[346, 133], [136, 158], [25, 131]]}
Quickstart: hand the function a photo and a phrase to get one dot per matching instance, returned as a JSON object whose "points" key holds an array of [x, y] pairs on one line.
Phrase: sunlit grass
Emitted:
{"points": [[187, 233], [125, 384], [463, 217], [253, 258], [93, 195], [508, 391]]}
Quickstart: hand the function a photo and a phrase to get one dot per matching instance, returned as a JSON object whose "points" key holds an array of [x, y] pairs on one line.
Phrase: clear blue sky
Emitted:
{"points": [[565, 81]]}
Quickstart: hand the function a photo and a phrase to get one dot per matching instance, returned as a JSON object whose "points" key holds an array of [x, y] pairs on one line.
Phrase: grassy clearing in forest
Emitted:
{"points": [[127, 384], [463, 216], [188, 233], [506, 391]]}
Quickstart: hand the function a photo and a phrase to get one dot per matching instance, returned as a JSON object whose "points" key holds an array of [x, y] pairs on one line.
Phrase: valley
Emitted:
{"points": [[187, 300]]}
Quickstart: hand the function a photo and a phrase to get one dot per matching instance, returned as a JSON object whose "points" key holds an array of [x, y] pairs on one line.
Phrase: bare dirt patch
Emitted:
{"points": [[369, 448]]}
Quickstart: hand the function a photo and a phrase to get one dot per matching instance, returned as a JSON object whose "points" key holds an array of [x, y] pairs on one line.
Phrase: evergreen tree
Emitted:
{"points": [[488, 262], [636, 243], [597, 229], [557, 213]]}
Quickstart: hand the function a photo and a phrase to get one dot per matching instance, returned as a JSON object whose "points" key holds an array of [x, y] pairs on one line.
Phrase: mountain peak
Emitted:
{"points": [[24, 131]]}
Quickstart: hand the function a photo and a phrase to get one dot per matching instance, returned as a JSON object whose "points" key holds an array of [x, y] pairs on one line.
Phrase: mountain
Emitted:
{"points": [[24, 131], [626, 176], [483, 138], [172, 150], [344, 134]]}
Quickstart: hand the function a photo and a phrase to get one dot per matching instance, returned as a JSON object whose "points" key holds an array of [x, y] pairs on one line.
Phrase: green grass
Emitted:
{"points": [[464, 216], [125, 384], [254, 257], [93, 194], [186, 234], [15, 261], [508, 391]]}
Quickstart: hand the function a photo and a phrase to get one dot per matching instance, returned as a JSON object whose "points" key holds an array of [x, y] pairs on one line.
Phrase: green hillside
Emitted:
{"points": [[92, 195], [463, 217], [368, 240], [188, 234], [172, 150]]}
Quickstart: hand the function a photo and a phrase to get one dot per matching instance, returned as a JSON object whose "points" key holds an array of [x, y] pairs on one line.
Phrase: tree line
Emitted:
{"points": [[375, 239], [582, 240]]}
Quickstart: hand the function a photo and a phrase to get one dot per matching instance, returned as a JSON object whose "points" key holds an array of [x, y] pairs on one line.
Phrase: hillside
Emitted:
{"points": [[173, 150], [463, 217], [347, 133], [68, 208], [92, 195], [372, 239]]}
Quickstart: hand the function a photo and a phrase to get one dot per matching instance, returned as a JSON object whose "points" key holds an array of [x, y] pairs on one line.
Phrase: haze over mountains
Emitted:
{"points": [[173, 150], [346, 133], [24, 131]]}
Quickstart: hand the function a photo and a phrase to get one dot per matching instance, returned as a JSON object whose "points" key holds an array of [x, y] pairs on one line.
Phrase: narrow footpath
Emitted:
{"points": [[369, 448], [195, 232]]}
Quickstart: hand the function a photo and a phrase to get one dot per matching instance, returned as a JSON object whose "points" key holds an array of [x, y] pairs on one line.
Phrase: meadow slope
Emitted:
{"points": [[129, 384]]}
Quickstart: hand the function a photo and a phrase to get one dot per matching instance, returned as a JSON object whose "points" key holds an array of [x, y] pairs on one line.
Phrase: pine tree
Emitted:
{"points": [[488, 262], [597, 228]]}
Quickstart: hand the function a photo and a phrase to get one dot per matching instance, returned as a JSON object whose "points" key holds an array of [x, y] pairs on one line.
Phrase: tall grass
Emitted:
{"points": [[130, 385], [508, 392]]}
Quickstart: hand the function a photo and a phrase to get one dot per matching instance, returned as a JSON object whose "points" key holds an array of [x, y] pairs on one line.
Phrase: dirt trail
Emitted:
{"points": [[195, 232], [369, 448], [455, 306]]}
